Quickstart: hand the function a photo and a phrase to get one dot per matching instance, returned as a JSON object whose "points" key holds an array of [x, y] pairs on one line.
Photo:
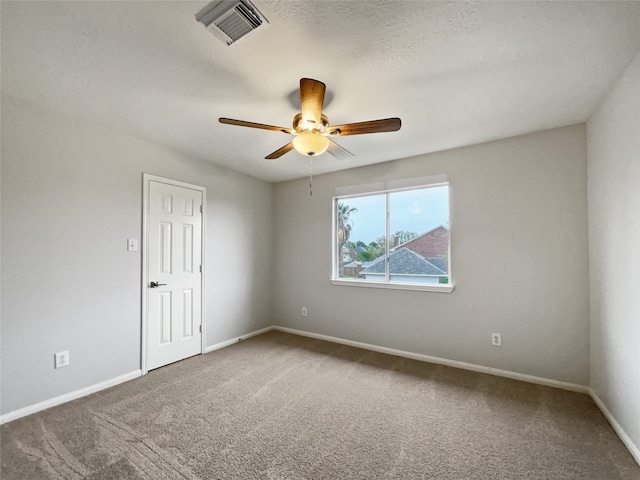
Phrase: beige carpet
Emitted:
{"points": [[280, 406]]}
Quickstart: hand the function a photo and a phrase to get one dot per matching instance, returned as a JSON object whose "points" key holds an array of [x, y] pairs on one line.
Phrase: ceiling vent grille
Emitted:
{"points": [[231, 20]]}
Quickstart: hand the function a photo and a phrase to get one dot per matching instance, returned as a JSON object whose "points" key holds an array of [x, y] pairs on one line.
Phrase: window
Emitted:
{"points": [[393, 238]]}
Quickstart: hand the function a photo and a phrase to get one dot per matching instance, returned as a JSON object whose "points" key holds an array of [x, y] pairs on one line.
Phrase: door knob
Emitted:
{"points": [[156, 284]]}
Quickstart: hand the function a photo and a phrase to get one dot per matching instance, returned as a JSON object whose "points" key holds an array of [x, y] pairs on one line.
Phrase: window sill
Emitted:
{"points": [[439, 288]]}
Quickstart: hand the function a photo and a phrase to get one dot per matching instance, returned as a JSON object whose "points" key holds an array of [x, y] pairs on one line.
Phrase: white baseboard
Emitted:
{"points": [[635, 451], [83, 392], [226, 343], [67, 397], [443, 361]]}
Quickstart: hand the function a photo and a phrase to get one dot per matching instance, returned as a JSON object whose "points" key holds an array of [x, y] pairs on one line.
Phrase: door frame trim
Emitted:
{"points": [[146, 179]]}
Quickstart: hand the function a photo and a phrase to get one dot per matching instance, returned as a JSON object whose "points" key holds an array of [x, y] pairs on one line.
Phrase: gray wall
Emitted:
{"points": [[614, 245], [71, 196], [518, 216]]}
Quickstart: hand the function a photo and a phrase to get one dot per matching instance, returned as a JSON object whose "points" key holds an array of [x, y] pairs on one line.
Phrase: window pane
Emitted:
{"points": [[360, 228], [418, 245], [419, 230]]}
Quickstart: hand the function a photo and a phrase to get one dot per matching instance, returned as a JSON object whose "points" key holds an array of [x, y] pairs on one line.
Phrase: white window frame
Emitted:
{"points": [[362, 191]]}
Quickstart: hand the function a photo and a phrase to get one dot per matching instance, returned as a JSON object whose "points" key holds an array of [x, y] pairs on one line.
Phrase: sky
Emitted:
{"points": [[413, 210]]}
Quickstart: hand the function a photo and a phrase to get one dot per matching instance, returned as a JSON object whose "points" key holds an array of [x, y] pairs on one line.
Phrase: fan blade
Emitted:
{"points": [[359, 128], [281, 151], [339, 151], [242, 123], [312, 99]]}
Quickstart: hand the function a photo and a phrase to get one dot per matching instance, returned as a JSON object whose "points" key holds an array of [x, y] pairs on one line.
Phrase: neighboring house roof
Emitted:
{"points": [[430, 232], [439, 262], [431, 244], [404, 262]]}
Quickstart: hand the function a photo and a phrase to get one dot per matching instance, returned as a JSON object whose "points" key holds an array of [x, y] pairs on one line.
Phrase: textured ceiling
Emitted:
{"points": [[457, 73]]}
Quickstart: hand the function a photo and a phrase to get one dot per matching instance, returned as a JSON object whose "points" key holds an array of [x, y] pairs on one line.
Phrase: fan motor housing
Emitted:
{"points": [[307, 127]]}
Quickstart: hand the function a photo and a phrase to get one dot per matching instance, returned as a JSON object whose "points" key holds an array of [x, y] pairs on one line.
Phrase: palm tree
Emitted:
{"points": [[344, 224]]}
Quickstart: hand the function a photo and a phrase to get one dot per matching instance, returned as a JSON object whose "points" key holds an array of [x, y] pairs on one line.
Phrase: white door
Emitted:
{"points": [[174, 286]]}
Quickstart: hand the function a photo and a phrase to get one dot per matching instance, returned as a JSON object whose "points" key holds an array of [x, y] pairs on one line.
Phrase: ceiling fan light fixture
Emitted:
{"points": [[311, 127], [311, 144]]}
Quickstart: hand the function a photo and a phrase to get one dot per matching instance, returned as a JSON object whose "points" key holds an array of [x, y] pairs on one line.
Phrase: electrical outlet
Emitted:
{"points": [[496, 339], [61, 359], [304, 311], [132, 245]]}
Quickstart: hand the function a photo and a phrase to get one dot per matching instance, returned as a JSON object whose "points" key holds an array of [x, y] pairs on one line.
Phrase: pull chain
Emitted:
{"points": [[310, 177]]}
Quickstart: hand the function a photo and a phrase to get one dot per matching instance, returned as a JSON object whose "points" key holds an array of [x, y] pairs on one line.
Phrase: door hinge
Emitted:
{"points": [[200, 208], [200, 268], [200, 328]]}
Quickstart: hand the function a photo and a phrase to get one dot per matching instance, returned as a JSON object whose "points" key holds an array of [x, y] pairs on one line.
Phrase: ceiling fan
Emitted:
{"points": [[313, 134]]}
